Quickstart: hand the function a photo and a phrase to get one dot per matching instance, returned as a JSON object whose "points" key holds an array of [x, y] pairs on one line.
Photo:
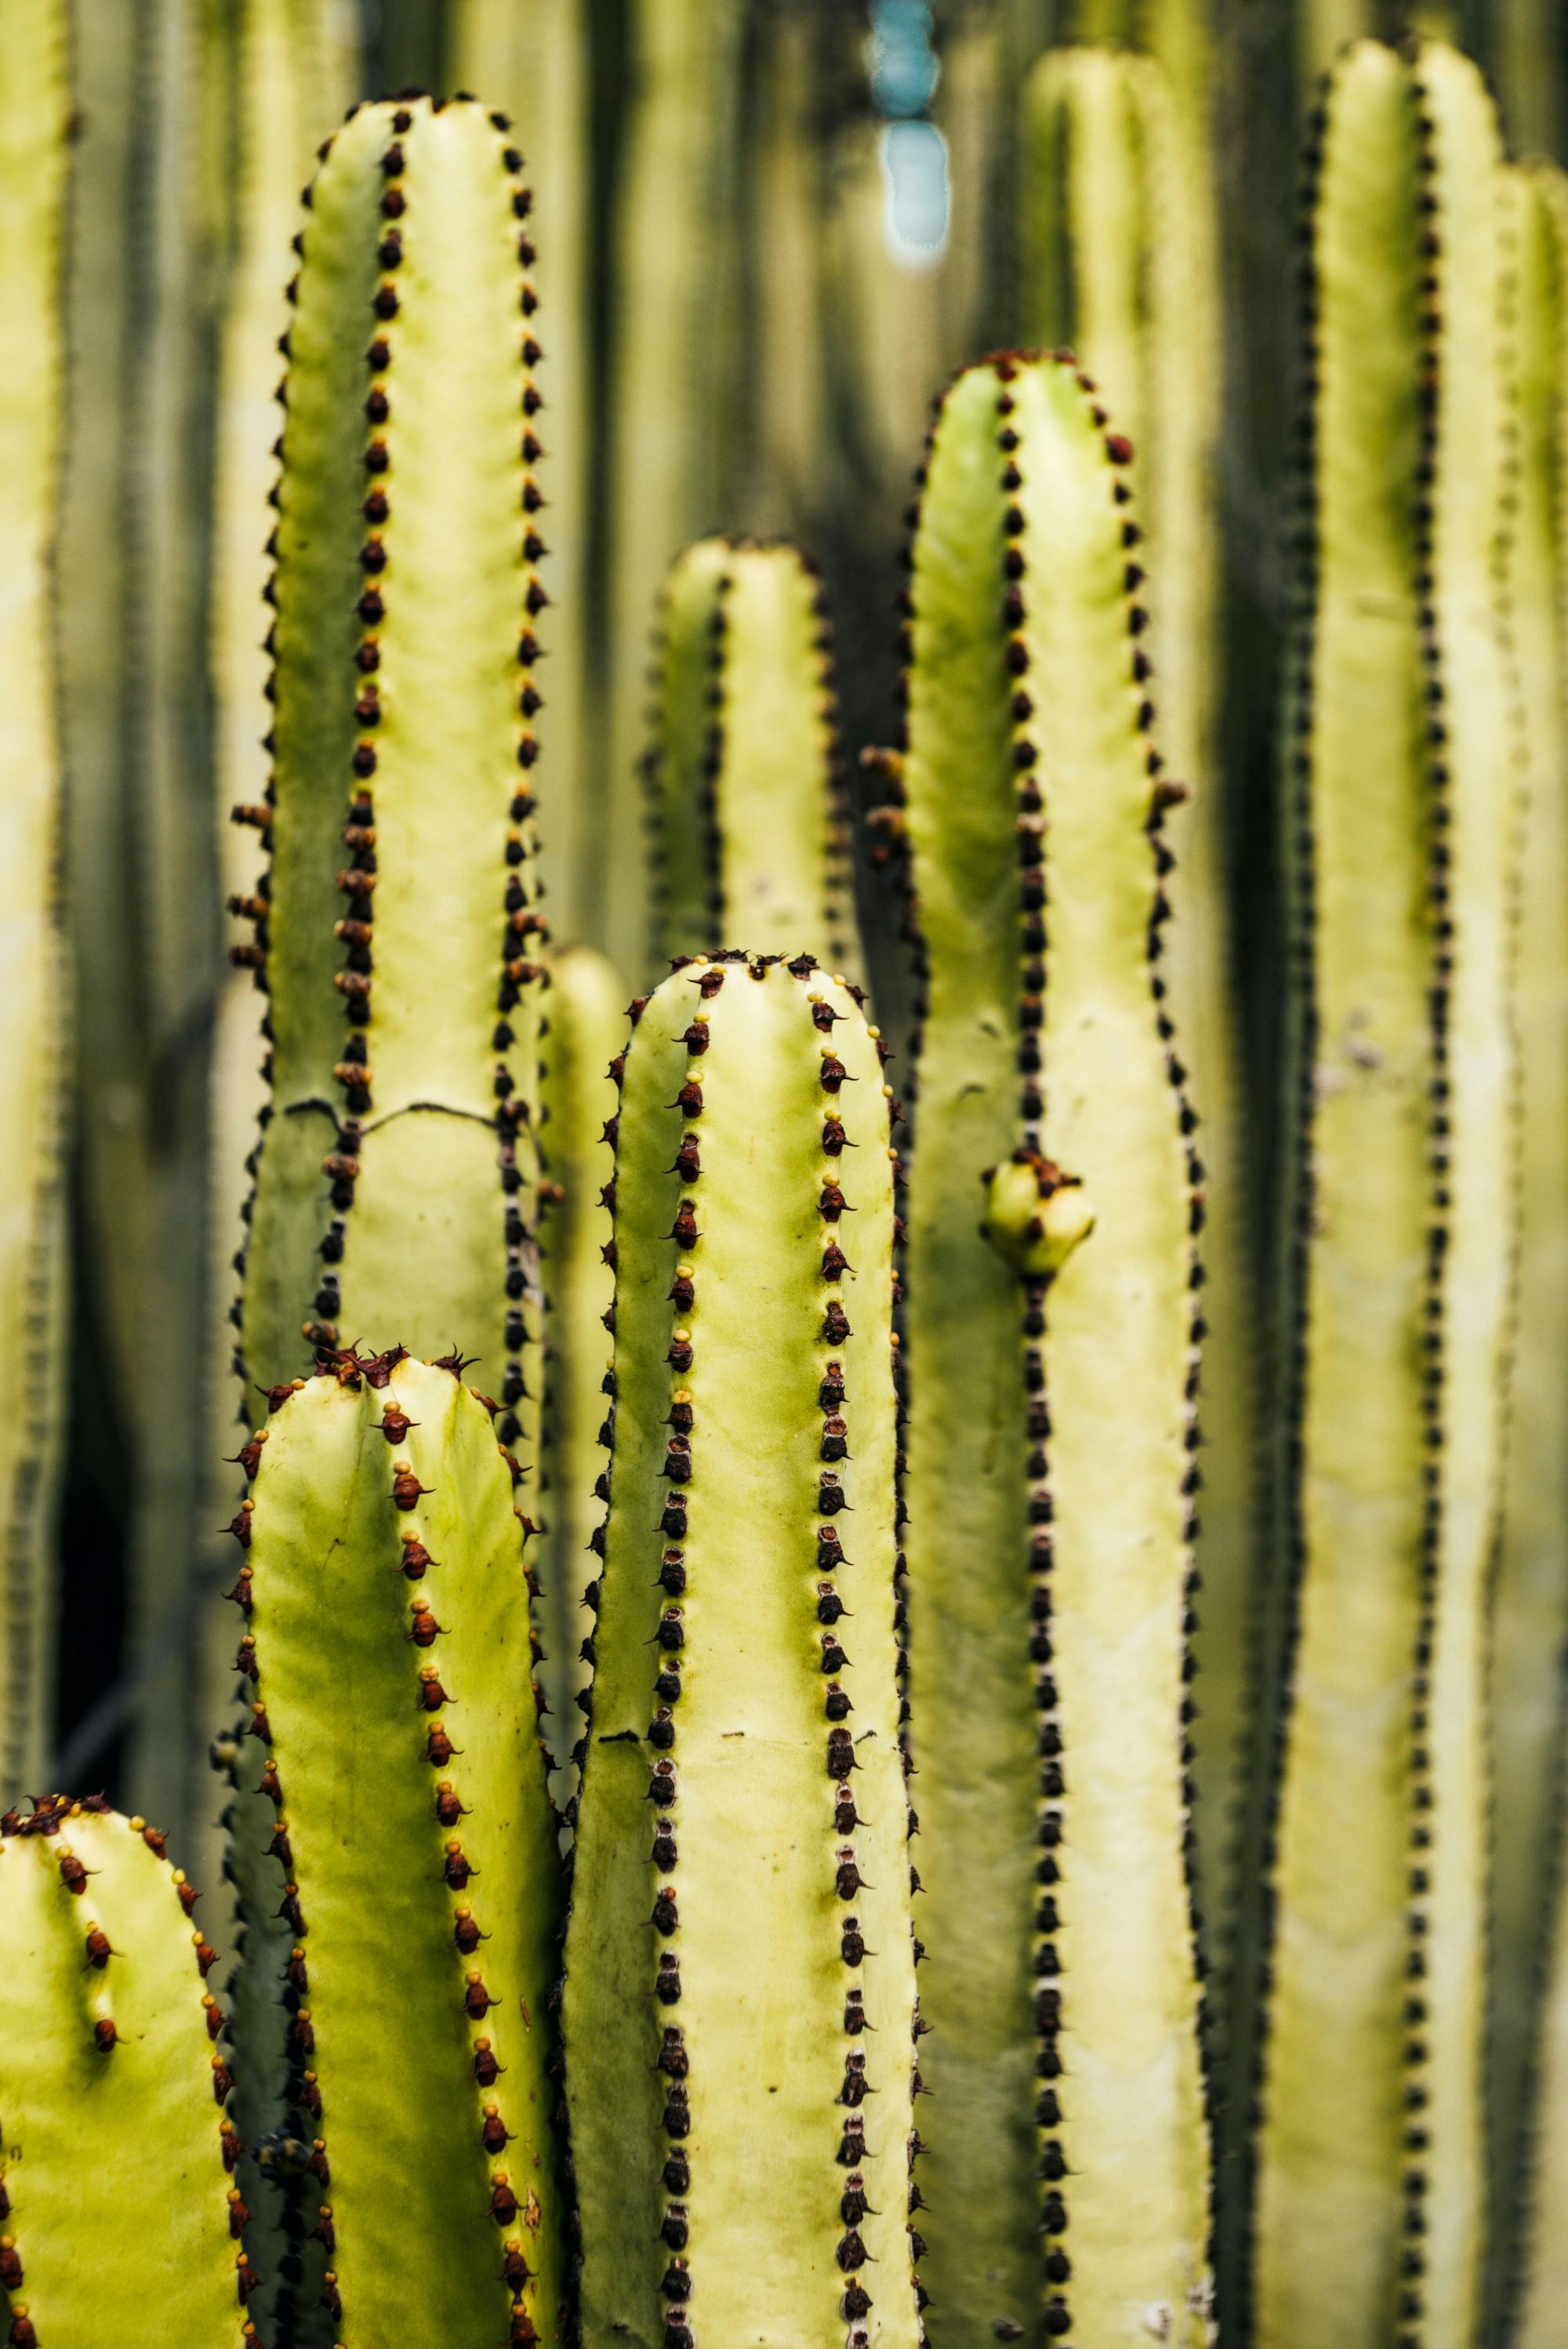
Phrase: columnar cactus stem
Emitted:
{"points": [[1120, 266], [1369, 1832], [397, 1176], [1052, 1372], [746, 807], [120, 2216], [586, 1027], [404, 1863], [740, 1995], [34, 107]]}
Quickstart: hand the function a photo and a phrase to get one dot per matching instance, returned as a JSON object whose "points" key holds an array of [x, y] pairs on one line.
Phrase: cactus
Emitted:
{"points": [[395, 1182], [1526, 41], [402, 1878], [1531, 1618], [1070, 2179], [585, 1029], [119, 2212], [1362, 1978], [33, 116], [746, 808], [740, 2147]]}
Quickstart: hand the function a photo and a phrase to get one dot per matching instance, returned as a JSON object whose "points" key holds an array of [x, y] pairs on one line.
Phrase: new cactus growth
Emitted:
{"points": [[397, 934], [745, 813], [739, 1997], [119, 2214], [1363, 1982], [1052, 1372], [402, 1881], [34, 106]]}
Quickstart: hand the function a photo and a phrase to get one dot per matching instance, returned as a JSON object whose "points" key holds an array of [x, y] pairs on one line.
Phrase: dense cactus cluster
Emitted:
{"points": [[890, 1673]]}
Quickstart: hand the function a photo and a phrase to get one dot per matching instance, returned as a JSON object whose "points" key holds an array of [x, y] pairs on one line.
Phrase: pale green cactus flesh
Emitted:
{"points": [[741, 1996], [397, 936], [585, 1027], [1051, 1419], [108, 2073], [34, 107], [746, 811], [1529, 2055], [404, 1865], [1368, 1833], [1120, 265]]}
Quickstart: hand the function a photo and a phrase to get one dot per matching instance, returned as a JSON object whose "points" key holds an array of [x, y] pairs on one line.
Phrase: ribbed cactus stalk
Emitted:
{"points": [[1120, 264], [1362, 1985], [1528, 2055], [119, 2214], [746, 808], [34, 107], [1052, 1368], [397, 934], [741, 1996], [403, 1880], [584, 1028]]}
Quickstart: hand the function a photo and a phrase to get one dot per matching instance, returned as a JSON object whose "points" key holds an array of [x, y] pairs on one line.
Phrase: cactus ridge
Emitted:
{"points": [[417, 219], [414, 2100], [744, 799], [107, 2057], [790, 2214]]}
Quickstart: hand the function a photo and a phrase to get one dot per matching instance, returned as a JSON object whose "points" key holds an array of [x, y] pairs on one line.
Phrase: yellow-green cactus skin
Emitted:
{"points": [[584, 1028], [34, 109], [1052, 1372], [1362, 1983], [744, 801], [739, 1998], [403, 1885], [109, 2072], [398, 933]]}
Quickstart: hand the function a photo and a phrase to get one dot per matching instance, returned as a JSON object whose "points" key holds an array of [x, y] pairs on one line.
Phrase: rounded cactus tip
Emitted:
{"points": [[1035, 1215]]}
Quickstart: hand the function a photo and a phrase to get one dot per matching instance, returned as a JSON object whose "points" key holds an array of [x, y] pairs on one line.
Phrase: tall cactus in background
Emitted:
{"points": [[34, 109], [1052, 1368], [398, 2098], [1530, 1621], [585, 1028], [1120, 264], [119, 2211], [739, 2073], [1361, 1987], [1529, 67], [746, 807]]}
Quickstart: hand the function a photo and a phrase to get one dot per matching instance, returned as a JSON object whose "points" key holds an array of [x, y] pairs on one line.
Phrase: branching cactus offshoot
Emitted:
{"points": [[1362, 1979], [404, 1883], [396, 932], [739, 1999], [120, 2213], [745, 809], [1052, 1374]]}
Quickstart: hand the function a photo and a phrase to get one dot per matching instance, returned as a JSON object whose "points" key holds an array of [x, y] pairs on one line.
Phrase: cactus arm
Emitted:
{"points": [[763, 1972], [745, 807], [1532, 1599], [395, 2056], [33, 112], [107, 2070], [1068, 2047], [585, 1028], [1324, 28]]}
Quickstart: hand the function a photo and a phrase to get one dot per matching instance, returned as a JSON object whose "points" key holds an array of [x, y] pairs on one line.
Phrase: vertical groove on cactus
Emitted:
{"points": [[410, 1841], [33, 119], [740, 1986], [746, 807], [1529, 2049], [1361, 1982], [1049, 1602], [586, 1028], [108, 2075]]}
